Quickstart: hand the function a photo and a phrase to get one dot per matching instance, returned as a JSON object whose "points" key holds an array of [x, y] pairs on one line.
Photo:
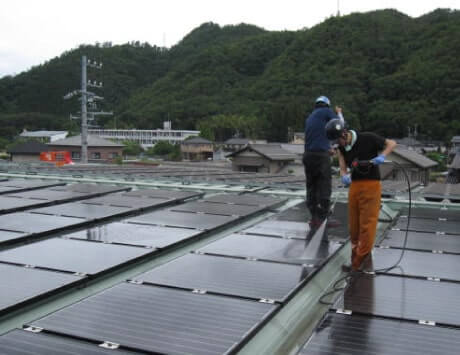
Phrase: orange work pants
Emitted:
{"points": [[363, 213]]}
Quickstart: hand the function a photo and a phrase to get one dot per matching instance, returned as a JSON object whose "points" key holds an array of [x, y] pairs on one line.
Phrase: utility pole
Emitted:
{"points": [[87, 97]]}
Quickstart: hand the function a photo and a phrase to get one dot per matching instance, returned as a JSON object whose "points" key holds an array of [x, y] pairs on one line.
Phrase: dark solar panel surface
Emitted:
{"points": [[72, 255], [423, 241], [183, 219], [20, 284], [342, 334], [167, 194], [10, 204], [285, 229], [427, 225], [82, 210], [12, 186], [7, 235], [135, 234], [50, 195], [91, 188], [229, 276], [217, 208], [160, 319], [246, 199], [297, 213], [269, 248], [417, 263], [126, 201], [432, 213], [35, 223], [21, 342], [403, 297]]}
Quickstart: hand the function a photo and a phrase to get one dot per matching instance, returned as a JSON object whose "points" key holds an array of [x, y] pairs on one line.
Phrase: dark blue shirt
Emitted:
{"points": [[315, 131]]}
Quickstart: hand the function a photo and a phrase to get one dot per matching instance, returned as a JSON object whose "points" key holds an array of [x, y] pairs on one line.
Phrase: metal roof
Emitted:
{"points": [[93, 141], [414, 157]]}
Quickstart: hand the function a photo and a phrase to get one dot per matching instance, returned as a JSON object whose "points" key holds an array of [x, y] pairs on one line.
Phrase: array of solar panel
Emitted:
{"points": [[183, 219], [229, 276], [19, 201], [246, 199], [11, 186], [440, 191], [135, 234], [22, 284], [420, 288], [342, 334], [446, 243], [74, 256], [22, 342], [403, 298], [160, 319]]}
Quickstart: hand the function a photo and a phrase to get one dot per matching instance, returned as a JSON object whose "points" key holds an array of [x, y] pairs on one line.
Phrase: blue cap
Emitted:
{"points": [[323, 99]]}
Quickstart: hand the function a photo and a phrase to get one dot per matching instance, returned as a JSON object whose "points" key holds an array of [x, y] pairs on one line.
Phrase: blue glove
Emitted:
{"points": [[378, 160], [346, 180]]}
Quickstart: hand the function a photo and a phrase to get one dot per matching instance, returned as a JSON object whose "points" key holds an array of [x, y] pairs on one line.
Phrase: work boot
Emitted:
{"points": [[347, 268]]}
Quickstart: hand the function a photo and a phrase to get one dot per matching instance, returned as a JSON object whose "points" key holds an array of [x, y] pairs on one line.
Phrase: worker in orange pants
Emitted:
{"points": [[362, 152]]}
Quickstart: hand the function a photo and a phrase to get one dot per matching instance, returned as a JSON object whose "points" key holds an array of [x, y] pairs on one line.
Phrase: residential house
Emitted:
{"points": [[197, 148], [27, 152]]}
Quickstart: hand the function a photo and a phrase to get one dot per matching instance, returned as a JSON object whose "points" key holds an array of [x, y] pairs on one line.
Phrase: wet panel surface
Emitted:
{"points": [[269, 248], [280, 229], [135, 234], [182, 219], [72, 255], [131, 202], [160, 319], [343, 334], [423, 241], [21, 342], [417, 263], [428, 225], [217, 208], [8, 236], [297, 213], [246, 199], [166, 194], [36, 223], [404, 298], [255, 279], [20, 284], [81, 210], [432, 213]]}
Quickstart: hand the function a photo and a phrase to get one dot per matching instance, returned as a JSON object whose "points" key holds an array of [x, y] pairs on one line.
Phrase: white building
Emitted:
{"points": [[44, 136], [145, 137]]}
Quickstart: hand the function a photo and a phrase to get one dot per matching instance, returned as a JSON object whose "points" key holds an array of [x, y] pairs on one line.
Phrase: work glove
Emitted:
{"points": [[346, 180], [378, 160]]}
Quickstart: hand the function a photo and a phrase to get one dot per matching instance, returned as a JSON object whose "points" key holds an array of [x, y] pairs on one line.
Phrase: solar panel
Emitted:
{"points": [[161, 319], [72, 255], [35, 223], [183, 219], [342, 334], [91, 188], [132, 202], [217, 208], [167, 194], [269, 248], [297, 213], [423, 241], [11, 204], [135, 234], [20, 284], [285, 229], [246, 199], [432, 213], [417, 263], [49, 195], [21, 342], [6, 236], [402, 297], [427, 225], [12, 186], [81, 210], [254, 279]]}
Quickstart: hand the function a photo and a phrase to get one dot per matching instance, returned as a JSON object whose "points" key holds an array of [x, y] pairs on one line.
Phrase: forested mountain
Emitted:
{"points": [[387, 70]]}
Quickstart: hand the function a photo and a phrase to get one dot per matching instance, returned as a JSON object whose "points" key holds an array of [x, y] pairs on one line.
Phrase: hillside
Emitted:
{"points": [[387, 70]]}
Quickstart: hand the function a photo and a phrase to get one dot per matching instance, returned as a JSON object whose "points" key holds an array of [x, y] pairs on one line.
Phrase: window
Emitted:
{"points": [[76, 155], [95, 155]]}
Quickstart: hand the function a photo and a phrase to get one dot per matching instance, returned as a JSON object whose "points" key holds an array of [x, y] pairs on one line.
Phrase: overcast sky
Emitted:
{"points": [[33, 31]]}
